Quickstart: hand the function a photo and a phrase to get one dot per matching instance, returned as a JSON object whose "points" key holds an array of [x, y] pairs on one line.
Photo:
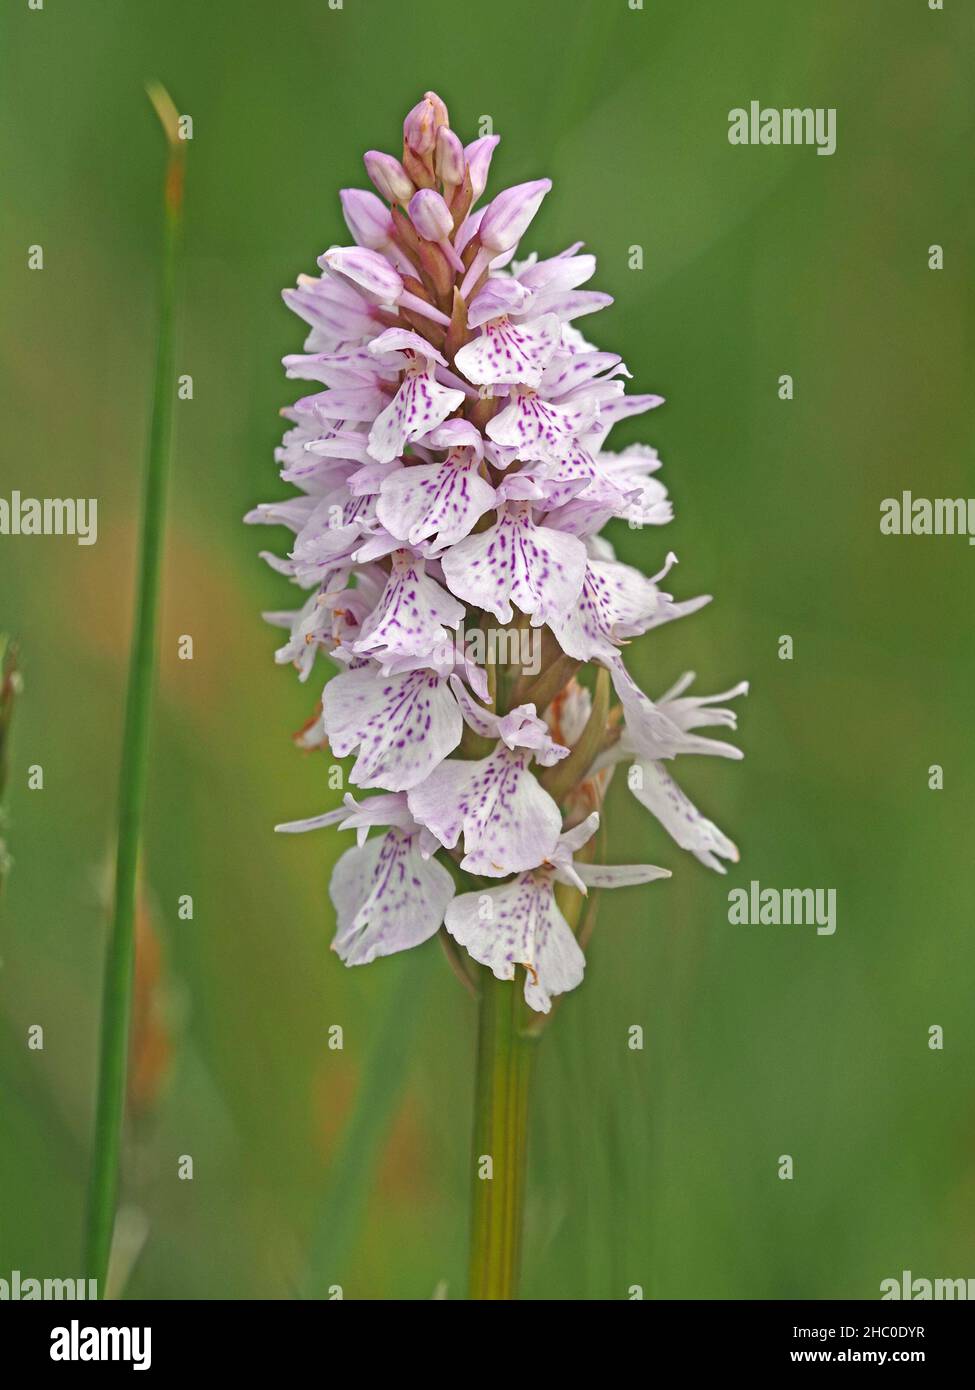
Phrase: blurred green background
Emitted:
{"points": [[655, 1167]]}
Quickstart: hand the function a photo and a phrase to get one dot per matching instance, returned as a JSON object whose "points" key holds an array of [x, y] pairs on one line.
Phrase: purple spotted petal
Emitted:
{"points": [[568, 371], [619, 875], [403, 725], [615, 602], [413, 615], [536, 428], [444, 500], [535, 567], [508, 822], [331, 536], [387, 898], [510, 353], [578, 473], [657, 790], [520, 924], [420, 404]]}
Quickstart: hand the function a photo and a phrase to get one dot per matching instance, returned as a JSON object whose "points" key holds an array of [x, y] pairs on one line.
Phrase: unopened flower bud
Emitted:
{"points": [[478, 154], [450, 162], [389, 176], [506, 219], [367, 270], [501, 295], [430, 215], [421, 125], [367, 218], [375, 279]]}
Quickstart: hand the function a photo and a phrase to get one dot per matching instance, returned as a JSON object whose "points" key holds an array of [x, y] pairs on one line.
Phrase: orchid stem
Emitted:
{"points": [[120, 955], [504, 1063]]}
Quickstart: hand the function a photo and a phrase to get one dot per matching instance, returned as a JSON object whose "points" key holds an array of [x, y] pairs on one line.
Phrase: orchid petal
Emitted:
{"points": [[443, 500], [412, 616], [403, 725], [657, 790], [539, 569], [520, 924], [507, 820], [387, 898], [506, 353], [420, 404], [619, 875]]}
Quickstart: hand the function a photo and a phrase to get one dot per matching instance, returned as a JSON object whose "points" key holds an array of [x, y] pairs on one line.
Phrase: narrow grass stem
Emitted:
{"points": [[117, 988], [10, 685]]}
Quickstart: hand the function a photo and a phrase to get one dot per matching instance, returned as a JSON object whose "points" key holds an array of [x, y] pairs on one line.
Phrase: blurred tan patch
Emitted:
{"points": [[200, 599]]}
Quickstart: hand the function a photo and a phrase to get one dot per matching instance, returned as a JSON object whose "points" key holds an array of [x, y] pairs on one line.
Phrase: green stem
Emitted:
{"points": [[504, 1062], [117, 987]]}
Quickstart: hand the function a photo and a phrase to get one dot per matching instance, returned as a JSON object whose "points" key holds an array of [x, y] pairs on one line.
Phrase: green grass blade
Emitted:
{"points": [[10, 685], [117, 988]]}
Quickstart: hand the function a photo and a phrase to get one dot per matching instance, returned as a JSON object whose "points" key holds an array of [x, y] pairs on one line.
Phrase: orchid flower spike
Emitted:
{"points": [[451, 480]]}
